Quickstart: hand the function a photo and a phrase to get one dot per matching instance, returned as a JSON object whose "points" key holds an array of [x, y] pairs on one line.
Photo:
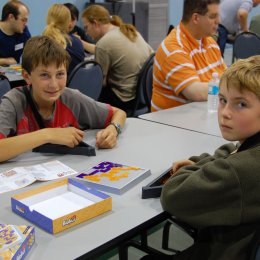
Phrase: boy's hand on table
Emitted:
{"points": [[177, 165], [69, 136], [107, 138]]}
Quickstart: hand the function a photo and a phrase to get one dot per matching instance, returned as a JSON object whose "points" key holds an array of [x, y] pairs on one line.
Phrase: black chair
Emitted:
{"points": [[254, 245], [246, 44], [253, 251], [141, 104], [182, 226], [4, 85], [87, 77], [143, 246], [148, 87], [170, 28]]}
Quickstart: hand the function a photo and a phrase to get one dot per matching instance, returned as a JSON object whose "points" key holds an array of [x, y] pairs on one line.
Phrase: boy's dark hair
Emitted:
{"points": [[42, 50], [196, 6], [74, 12], [12, 7]]}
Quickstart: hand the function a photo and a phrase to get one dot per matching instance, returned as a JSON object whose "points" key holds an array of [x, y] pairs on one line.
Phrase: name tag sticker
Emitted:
{"points": [[18, 46]]}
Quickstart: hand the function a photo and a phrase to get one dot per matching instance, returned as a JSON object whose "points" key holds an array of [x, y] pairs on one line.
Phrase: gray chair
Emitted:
{"points": [[143, 90], [4, 85], [246, 44], [87, 77]]}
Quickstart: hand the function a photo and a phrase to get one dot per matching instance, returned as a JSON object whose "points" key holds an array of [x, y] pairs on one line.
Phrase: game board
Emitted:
{"points": [[113, 177]]}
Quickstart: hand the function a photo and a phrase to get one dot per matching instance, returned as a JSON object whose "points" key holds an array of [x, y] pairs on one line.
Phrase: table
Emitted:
{"points": [[15, 77], [192, 116], [142, 143]]}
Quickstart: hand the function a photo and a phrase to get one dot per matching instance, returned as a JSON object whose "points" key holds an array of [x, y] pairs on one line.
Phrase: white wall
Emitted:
{"points": [[176, 8], [38, 11], [175, 11]]}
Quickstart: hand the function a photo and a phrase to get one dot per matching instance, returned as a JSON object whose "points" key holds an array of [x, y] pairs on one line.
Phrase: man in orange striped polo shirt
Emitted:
{"points": [[187, 57]]}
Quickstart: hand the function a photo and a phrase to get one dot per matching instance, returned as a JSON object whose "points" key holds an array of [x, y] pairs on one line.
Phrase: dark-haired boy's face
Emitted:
{"points": [[238, 113], [48, 83]]}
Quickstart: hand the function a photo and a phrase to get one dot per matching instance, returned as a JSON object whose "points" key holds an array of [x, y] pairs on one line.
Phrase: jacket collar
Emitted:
{"points": [[250, 142]]}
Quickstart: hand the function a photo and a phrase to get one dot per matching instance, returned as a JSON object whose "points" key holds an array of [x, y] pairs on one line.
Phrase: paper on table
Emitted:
{"points": [[20, 177]]}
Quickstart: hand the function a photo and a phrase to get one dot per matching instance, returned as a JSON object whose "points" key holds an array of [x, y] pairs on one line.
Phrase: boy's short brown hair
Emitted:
{"points": [[42, 50], [244, 75]]}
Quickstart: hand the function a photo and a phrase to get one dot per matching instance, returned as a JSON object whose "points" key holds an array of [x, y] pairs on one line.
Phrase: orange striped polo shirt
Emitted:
{"points": [[179, 61]]}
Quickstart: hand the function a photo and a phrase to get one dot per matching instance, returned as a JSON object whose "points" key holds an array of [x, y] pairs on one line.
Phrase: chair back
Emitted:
{"points": [[141, 105], [4, 85], [87, 77], [170, 28], [246, 44], [148, 86]]}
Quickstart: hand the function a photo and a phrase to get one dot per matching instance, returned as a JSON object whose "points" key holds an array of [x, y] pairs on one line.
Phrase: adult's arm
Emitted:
{"points": [[196, 91], [7, 61], [242, 17], [89, 47]]}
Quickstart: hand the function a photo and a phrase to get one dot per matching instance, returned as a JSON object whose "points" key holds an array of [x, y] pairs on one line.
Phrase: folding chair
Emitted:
{"points": [[148, 87], [143, 90], [235, 233], [170, 28], [246, 44], [87, 77], [4, 85]]}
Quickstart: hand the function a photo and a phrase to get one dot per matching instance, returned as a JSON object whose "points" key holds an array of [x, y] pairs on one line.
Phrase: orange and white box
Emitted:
{"points": [[61, 204]]}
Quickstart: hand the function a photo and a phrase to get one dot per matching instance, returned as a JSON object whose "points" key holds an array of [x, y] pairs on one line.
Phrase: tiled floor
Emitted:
{"points": [[178, 240]]}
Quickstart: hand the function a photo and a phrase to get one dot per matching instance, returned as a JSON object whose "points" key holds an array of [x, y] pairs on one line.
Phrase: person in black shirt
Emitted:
{"points": [[87, 41]]}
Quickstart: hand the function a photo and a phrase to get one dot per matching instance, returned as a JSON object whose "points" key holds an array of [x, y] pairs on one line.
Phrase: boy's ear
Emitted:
{"points": [[26, 76]]}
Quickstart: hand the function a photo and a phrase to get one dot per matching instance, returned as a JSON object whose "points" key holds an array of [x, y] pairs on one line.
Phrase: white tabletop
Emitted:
{"points": [[192, 116], [142, 143]]}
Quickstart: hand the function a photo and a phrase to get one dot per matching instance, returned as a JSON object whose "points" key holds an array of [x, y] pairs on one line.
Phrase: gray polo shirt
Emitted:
{"points": [[228, 13]]}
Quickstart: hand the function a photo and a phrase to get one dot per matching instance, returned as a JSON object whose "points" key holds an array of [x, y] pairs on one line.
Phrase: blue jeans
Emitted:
{"points": [[222, 38]]}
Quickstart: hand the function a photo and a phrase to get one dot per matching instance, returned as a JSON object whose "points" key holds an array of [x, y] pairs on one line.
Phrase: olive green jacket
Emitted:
{"points": [[215, 194]]}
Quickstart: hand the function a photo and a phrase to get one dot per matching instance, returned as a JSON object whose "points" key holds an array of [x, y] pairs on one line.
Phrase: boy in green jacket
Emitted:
{"points": [[219, 194]]}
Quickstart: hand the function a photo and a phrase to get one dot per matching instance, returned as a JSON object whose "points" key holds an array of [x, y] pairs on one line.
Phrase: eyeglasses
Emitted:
{"points": [[211, 16], [23, 19]]}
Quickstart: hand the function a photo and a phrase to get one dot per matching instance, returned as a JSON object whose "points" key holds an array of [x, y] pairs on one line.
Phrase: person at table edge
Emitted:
{"points": [[187, 57], [63, 113], [13, 32]]}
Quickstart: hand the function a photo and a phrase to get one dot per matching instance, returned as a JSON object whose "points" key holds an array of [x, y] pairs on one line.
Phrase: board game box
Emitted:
{"points": [[42, 205], [113, 177], [15, 241]]}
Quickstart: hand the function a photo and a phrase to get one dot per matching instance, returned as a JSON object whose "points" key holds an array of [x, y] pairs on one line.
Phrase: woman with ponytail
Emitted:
{"points": [[58, 23], [120, 50]]}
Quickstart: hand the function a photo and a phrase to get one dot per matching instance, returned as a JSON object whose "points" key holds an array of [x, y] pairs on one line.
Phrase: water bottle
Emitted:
{"points": [[213, 93]]}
